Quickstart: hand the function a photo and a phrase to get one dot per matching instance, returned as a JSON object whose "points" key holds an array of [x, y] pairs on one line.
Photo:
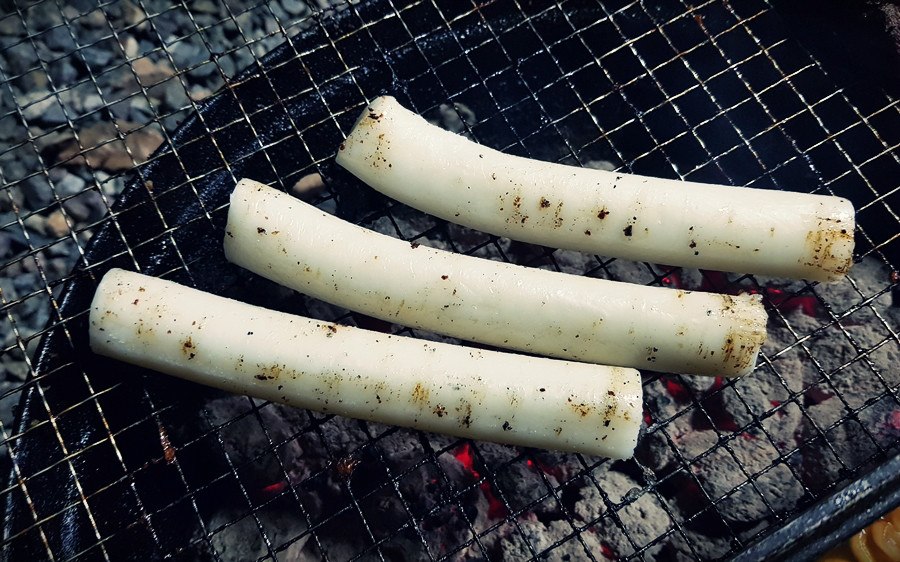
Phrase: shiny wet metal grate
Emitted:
{"points": [[111, 462]]}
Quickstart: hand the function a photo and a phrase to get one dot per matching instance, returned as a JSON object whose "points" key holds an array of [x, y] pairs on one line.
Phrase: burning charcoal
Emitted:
{"points": [[857, 383], [413, 223], [574, 263], [640, 512], [776, 483], [721, 471], [700, 387], [582, 497], [665, 398], [688, 442], [668, 402], [527, 476], [343, 436], [241, 539], [401, 447], [694, 443], [501, 538], [521, 485], [784, 325], [718, 472], [694, 545], [405, 545], [459, 493], [422, 486], [445, 529], [282, 523], [783, 426], [427, 486], [542, 536], [822, 407], [653, 451], [341, 537], [883, 420], [495, 455], [522, 253], [626, 271], [794, 368], [466, 238], [570, 467], [688, 279], [778, 486], [463, 468], [753, 396], [248, 434], [868, 278], [818, 465]]}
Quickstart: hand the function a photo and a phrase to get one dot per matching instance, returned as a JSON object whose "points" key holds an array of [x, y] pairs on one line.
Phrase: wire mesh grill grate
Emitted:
{"points": [[131, 464]]}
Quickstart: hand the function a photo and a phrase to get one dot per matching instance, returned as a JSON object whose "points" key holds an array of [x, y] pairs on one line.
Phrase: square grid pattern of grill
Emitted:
{"points": [[127, 464]]}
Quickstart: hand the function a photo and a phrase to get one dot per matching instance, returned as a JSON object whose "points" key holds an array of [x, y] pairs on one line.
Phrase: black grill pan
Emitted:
{"points": [[109, 461]]}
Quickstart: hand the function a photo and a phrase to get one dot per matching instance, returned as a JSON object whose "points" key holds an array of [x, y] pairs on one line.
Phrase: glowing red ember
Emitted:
{"points": [[273, 490], [677, 391], [496, 509], [894, 420], [607, 552], [717, 282]]}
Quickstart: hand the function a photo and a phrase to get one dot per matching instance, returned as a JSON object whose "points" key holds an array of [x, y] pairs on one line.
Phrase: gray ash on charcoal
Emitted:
{"points": [[518, 502], [717, 459], [738, 454]]}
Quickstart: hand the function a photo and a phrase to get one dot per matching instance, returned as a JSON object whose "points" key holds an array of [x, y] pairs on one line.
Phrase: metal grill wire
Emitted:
{"points": [[712, 91]]}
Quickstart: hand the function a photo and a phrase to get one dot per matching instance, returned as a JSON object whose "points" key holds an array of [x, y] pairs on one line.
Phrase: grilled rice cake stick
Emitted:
{"points": [[724, 228], [505, 305], [487, 395]]}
